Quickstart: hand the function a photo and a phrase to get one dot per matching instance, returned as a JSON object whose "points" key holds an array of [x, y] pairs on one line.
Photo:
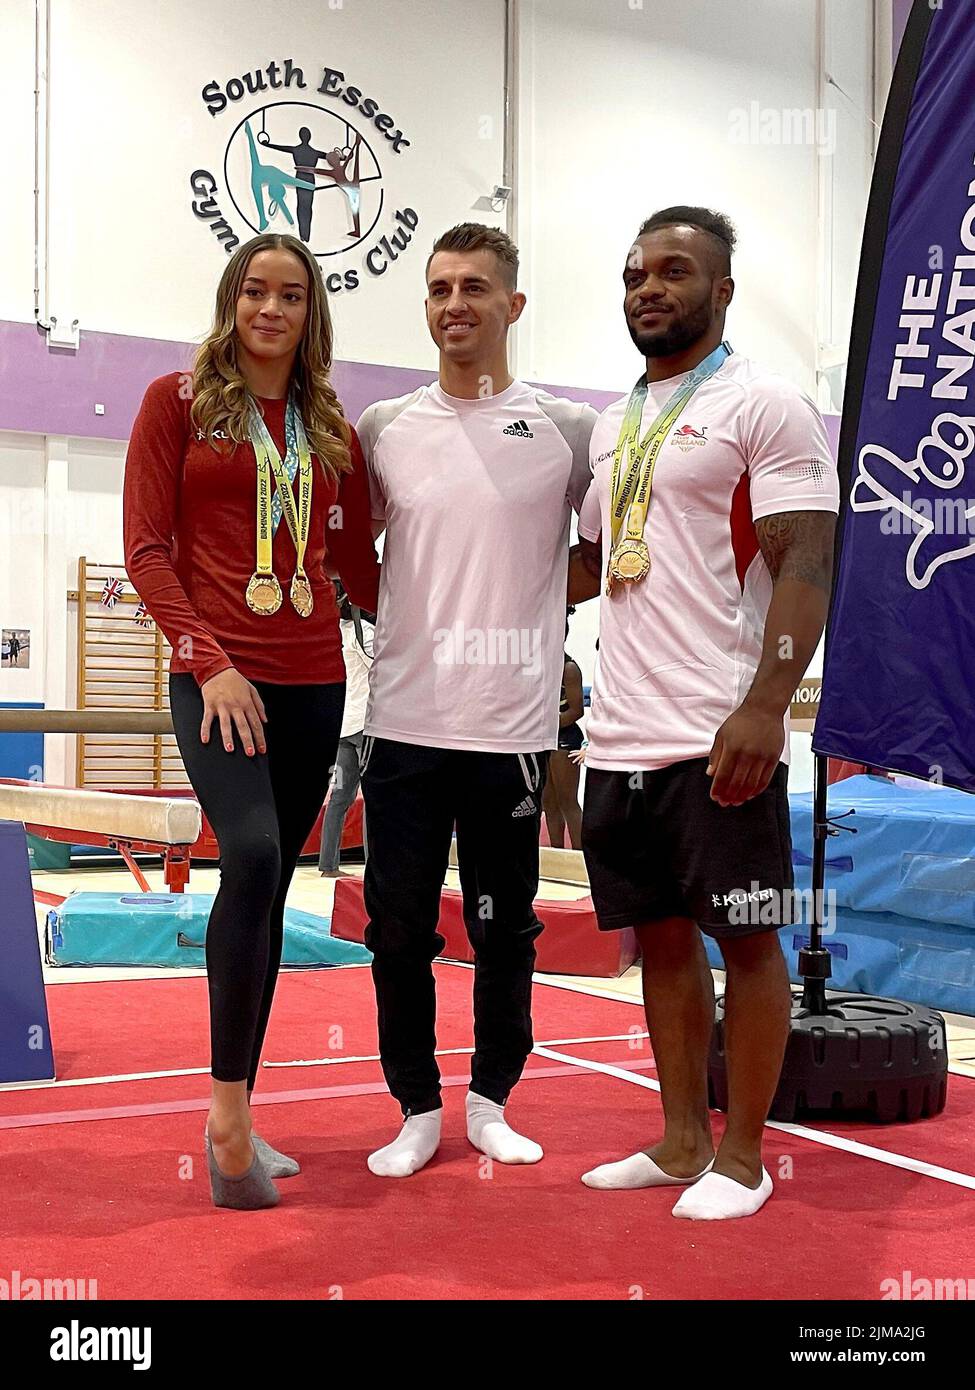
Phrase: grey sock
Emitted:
{"points": [[249, 1191], [278, 1165]]}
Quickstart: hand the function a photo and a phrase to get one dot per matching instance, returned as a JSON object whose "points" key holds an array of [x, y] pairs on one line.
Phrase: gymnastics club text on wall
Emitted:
{"points": [[307, 166]]}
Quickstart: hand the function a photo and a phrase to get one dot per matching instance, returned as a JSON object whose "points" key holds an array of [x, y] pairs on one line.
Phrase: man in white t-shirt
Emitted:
{"points": [[473, 479], [714, 494]]}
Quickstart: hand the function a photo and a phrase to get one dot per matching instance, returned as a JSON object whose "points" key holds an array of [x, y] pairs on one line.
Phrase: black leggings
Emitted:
{"points": [[261, 810]]}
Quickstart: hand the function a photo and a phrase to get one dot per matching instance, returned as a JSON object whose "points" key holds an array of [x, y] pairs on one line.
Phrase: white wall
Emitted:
{"points": [[129, 127], [622, 107], [59, 499], [626, 108], [22, 587], [17, 119]]}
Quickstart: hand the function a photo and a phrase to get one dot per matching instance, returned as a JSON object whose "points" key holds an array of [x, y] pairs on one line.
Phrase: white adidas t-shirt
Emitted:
{"points": [[679, 650], [475, 496]]}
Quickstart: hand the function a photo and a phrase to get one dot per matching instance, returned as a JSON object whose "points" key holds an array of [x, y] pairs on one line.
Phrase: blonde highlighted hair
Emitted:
{"points": [[221, 398]]}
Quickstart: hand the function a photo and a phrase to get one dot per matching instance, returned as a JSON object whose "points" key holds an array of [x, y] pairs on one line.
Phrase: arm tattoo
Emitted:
{"points": [[798, 545]]}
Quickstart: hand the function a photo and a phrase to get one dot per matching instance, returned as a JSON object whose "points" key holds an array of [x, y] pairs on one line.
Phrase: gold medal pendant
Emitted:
{"points": [[631, 561], [264, 593], [301, 595]]}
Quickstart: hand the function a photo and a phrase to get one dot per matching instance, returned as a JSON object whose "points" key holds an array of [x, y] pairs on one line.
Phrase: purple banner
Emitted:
{"points": [[899, 674]]}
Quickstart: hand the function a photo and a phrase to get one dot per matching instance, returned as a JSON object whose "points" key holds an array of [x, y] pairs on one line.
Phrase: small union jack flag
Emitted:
{"points": [[142, 615], [112, 592]]}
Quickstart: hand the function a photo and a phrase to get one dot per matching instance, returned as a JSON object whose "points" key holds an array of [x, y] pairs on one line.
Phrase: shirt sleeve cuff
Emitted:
{"points": [[793, 504], [212, 668]]}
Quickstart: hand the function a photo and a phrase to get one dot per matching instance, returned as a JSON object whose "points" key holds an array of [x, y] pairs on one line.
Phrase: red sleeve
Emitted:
{"points": [[150, 503], [349, 535]]}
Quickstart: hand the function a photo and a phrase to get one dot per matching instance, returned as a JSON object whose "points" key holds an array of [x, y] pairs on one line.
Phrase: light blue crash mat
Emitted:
{"points": [[169, 929]]}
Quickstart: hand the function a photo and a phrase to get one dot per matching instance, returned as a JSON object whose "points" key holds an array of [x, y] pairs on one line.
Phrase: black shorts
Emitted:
{"points": [[656, 845], [570, 738]]}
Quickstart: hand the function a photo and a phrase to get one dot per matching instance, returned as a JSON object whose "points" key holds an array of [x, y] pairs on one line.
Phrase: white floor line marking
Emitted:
{"points": [[448, 1051], [321, 1062], [106, 1080], [539, 979], [815, 1136]]}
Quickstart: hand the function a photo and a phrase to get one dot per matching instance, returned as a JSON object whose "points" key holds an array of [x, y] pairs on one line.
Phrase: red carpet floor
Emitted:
{"points": [[124, 1198]]}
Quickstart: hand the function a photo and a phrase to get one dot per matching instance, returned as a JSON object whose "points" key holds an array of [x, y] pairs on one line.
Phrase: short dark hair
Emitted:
{"points": [[716, 224], [475, 236]]}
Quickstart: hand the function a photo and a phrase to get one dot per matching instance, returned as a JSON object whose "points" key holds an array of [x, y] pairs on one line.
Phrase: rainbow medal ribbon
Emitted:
{"points": [[629, 559], [264, 591]]}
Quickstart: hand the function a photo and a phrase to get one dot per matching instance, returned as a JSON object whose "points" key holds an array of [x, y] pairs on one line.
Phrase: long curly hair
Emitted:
{"points": [[221, 399]]}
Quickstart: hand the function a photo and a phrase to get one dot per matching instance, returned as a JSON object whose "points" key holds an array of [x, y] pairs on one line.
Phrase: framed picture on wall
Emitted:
{"points": [[15, 648]]}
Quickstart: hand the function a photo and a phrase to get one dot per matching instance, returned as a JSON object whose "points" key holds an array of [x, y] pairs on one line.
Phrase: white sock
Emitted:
{"points": [[414, 1146], [639, 1170], [717, 1198], [488, 1131]]}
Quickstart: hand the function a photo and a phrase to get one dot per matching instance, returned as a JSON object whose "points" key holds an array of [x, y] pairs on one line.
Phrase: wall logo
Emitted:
{"points": [[308, 166]]}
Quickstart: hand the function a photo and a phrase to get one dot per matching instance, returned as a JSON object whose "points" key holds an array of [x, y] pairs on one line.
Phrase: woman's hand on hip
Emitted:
{"points": [[234, 703]]}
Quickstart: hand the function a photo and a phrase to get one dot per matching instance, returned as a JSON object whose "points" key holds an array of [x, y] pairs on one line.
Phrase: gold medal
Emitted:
{"points": [[631, 561], [301, 595], [264, 593], [634, 461]]}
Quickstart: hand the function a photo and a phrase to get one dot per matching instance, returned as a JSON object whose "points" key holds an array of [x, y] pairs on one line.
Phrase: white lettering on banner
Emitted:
{"points": [[879, 485], [921, 306]]}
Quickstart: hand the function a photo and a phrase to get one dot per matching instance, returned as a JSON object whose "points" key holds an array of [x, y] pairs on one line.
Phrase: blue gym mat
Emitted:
{"points": [[169, 930], [903, 891]]}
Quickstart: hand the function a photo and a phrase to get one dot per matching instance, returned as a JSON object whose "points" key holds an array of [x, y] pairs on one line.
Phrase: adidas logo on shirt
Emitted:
{"points": [[526, 807], [520, 430]]}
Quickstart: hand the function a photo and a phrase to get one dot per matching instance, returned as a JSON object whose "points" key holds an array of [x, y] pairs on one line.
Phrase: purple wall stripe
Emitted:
{"points": [[54, 390]]}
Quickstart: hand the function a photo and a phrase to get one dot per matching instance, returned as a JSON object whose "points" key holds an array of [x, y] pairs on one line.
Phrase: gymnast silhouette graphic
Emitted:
{"points": [[306, 158], [267, 176]]}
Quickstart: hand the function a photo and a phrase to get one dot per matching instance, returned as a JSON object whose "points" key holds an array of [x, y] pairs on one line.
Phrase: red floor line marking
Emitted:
{"points": [[177, 1107]]}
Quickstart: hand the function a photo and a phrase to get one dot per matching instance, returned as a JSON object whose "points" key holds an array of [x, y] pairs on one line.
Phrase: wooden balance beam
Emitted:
{"points": [[128, 824]]}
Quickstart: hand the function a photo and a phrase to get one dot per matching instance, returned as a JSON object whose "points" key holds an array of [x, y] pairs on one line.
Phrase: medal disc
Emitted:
{"points": [[631, 561], [301, 596], [264, 594]]}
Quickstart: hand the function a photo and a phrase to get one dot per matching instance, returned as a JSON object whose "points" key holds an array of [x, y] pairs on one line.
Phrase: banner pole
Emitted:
{"points": [[814, 959]]}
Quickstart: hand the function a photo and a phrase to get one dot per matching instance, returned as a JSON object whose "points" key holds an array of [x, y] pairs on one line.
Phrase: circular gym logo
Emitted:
{"points": [[309, 168]]}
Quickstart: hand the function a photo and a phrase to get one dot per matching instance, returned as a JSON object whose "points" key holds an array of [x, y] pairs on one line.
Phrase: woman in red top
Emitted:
{"points": [[239, 478]]}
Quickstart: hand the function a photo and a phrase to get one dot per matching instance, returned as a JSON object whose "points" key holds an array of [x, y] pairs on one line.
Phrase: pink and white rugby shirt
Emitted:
{"points": [[679, 650]]}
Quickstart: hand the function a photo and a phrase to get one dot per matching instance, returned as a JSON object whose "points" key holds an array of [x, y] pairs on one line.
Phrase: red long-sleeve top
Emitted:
{"points": [[190, 528]]}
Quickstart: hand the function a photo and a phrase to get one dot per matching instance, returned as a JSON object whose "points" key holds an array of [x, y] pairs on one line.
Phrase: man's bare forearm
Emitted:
{"points": [[584, 572], [798, 550]]}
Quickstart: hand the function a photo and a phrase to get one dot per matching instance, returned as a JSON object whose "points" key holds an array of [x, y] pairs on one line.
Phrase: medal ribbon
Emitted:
{"points": [[630, 492], [268, 460]]}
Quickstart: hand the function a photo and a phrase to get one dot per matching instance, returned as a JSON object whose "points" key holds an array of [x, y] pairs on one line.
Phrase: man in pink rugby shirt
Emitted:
{"points": [[714, 495]]}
